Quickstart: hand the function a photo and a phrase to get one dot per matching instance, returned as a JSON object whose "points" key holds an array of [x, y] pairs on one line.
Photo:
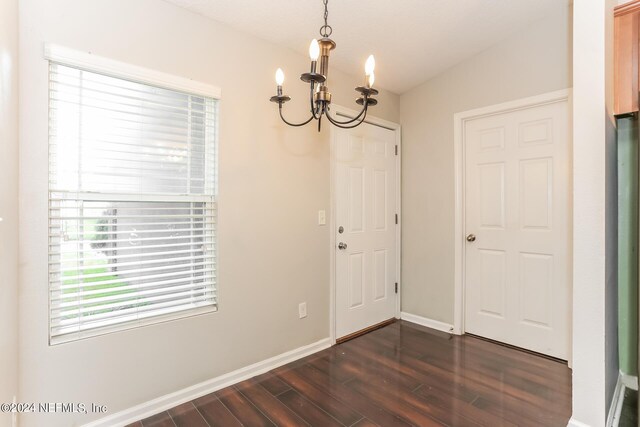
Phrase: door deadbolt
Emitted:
{"points": [[341, 229]]}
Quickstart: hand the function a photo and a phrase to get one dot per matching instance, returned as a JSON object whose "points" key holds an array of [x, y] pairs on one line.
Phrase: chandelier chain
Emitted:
{"points": [[326, 30]]}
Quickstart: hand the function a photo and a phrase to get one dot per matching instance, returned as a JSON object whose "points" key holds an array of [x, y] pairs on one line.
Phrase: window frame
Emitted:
{"points": [[89, 62]]}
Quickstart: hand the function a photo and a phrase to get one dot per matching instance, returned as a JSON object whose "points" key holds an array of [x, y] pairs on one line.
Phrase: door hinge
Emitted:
{"points": [[396, 287], [396, 219], [396, 150]]}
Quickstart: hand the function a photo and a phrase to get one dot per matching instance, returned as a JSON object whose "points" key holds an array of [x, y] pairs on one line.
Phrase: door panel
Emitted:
{"points": [[380, 200], [365, 191], [517, 204], [381, 278], [491, 187], [356, 279], [356, 199], [536, 289], [493, 265], [536, 189]]}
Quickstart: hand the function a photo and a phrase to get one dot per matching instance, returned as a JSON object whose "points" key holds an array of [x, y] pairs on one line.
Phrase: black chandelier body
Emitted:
{"points": [[319, 95]]}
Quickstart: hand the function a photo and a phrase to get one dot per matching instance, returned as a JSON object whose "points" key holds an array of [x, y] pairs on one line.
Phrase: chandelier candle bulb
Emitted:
{"points": [[370, 65], [314, 50], [279, 80], [370, 79], [314, 53], [279, 77]]}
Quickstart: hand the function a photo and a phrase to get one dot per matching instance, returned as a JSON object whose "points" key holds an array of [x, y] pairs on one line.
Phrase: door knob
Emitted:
{"points": [[471, 238], [342, 246]]}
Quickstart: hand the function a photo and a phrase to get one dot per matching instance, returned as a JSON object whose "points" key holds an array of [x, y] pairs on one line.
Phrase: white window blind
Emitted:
{"points": [[132, 203]]}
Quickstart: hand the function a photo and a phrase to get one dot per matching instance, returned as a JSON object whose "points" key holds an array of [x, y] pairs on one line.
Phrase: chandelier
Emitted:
{"points": [[319, 95]]}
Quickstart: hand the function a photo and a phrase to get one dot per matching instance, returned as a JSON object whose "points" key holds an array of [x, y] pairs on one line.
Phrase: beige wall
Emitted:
{"points": [[8, 204], [273, 180], [534, 61]]}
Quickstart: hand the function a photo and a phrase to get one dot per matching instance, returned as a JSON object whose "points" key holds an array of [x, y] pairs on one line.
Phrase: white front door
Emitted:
{"points": [[365, 186], [517, 228]]}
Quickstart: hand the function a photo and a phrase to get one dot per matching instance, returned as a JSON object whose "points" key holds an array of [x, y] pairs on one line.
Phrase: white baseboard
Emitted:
{"points": [[575, 423], [429, 323], [168, 401]]}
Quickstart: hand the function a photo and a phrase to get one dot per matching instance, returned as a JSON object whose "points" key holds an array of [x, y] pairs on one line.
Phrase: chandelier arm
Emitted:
{"points": [[292, 124], [342, 124], [363, 111]]}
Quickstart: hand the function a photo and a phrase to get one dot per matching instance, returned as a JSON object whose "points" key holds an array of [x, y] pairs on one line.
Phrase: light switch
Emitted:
{"points": [[302, 310], [322, 218]]}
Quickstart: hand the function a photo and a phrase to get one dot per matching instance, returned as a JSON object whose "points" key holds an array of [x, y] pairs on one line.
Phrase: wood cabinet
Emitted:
{"points": [[626, 57]]}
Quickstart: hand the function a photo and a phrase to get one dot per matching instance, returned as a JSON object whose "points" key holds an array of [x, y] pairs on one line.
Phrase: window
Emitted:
{"points": [[132, 203]]}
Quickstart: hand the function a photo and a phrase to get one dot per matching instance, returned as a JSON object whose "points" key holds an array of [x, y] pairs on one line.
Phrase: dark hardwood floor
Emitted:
{"points": [[400, 375]]}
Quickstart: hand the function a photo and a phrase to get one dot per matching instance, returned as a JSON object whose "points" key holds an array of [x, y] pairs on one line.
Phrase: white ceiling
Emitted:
{"points": [[412, 40]]}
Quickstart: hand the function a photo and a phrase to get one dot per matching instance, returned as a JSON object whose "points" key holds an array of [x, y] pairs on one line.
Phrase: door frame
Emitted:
{"points": [[348, 113], [459, 121]]}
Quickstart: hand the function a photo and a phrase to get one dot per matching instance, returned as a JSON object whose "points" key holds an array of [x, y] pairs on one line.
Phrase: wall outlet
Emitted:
{"points": [[302, 310], [322, 217]]}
